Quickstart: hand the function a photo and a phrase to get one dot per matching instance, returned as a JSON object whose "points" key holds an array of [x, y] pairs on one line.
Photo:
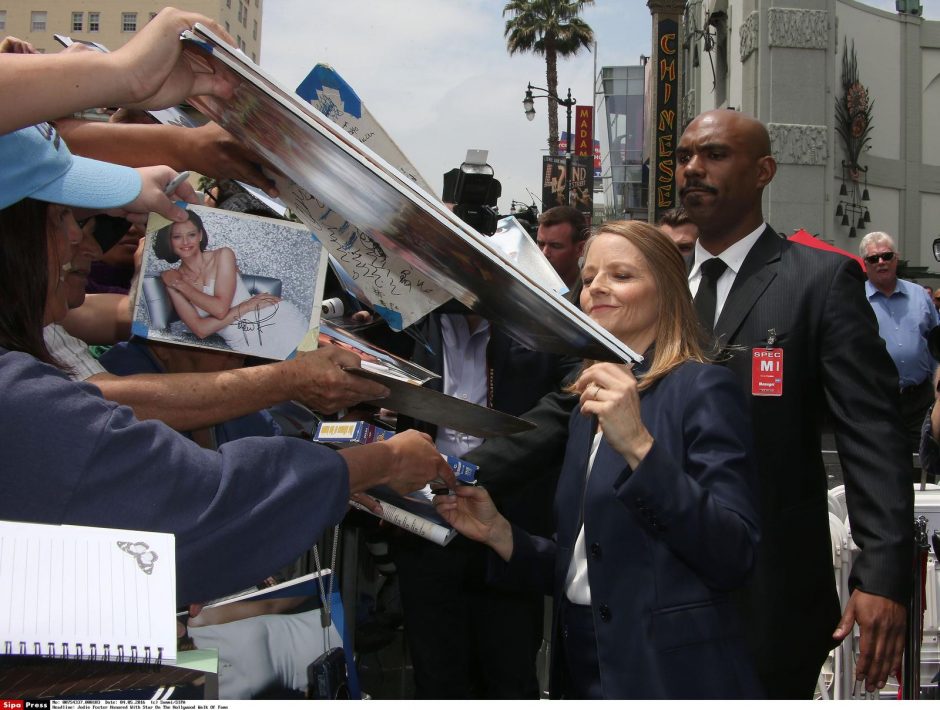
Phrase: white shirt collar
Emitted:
{"points": [[733, 256]]}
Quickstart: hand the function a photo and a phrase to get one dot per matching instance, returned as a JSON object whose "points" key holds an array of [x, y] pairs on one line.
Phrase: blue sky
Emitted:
{"points": [[437, 76]]}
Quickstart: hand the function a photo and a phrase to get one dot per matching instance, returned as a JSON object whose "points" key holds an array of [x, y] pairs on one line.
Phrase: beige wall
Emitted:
{"points": [[878, 70], [930, 81], [788, 73], [110, 32]]}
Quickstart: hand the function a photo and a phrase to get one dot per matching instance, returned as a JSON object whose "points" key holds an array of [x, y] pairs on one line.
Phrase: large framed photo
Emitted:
{"points": [[229, 281]]}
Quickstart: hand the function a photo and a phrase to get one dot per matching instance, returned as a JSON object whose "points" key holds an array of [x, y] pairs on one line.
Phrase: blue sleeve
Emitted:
{"points": [[238, 514], [531, 566]]}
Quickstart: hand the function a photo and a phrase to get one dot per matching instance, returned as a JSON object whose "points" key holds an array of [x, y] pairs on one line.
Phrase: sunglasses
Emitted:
{"points": [[875, 258]]}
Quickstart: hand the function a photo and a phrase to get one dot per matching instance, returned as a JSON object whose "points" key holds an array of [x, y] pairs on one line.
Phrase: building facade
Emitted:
{"points": [[618, 120], [848, 93], [113, 22]]}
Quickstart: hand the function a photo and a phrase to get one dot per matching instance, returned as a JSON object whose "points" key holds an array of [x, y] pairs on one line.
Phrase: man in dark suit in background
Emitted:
{"points": [[796, 329]]}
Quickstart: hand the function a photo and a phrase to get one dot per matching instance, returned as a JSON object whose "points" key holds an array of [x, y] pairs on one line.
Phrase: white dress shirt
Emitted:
{"points": [[733, 257], [465, 376], [577, 586]]}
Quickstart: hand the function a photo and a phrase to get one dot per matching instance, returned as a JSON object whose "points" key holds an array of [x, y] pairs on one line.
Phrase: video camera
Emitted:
{"points": [[527, 216], [473, 191]]}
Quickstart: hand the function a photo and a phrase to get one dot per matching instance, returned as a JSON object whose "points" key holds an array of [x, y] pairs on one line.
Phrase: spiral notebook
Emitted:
{"points": [[87, 593]]}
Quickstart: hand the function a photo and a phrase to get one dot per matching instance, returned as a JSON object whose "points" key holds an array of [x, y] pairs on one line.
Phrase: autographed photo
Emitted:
{"points": [[230, 281]]}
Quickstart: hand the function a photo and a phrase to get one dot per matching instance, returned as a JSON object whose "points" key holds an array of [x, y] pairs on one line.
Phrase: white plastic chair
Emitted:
{"points": [[837, 503], [832, 683]]}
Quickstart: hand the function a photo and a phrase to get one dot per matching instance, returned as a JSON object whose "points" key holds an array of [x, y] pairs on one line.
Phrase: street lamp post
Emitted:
{"points": [[528, 103]]}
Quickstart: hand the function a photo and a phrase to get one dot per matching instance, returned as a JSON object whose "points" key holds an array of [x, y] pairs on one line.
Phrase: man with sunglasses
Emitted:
{"points": [[905, 316]]}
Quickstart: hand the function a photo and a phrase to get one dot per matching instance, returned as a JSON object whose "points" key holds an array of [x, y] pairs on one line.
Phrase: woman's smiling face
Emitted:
{"points": [[62, 235], [619, 291], [185, 238]]}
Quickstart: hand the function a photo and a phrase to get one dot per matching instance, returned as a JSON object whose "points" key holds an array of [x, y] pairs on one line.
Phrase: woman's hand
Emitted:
{"points": [[610, 393], [256, 302], [471, 510], [152, 198], [259, 300], [173, 279]]}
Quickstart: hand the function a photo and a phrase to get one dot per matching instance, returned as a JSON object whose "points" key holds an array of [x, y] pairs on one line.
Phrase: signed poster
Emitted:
{"points": [[385, 282], [337, 173], [231, 282]]}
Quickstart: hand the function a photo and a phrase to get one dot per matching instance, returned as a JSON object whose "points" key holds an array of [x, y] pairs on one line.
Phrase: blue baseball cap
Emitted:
{"points": [[35, 162]]}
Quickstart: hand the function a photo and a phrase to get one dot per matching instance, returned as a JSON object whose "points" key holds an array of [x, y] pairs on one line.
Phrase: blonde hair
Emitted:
{"points": [[678, 333]]}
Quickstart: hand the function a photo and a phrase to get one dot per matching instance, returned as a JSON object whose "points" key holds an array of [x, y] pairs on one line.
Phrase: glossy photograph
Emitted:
{"points": [[229, 281]]}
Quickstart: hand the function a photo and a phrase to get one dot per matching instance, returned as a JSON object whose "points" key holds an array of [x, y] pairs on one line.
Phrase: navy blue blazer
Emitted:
{"points": [[666, 543]]}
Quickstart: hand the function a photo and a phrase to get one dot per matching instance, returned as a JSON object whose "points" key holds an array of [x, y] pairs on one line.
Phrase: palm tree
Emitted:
{"points": [[551, 28]]}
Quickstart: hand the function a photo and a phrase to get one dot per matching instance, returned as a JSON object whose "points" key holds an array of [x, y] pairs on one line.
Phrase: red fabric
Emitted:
{"points": [[801, 236]]}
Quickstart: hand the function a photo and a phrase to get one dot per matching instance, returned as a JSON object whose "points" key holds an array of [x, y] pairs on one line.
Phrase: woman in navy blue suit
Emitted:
{"points": [[659, 461]]}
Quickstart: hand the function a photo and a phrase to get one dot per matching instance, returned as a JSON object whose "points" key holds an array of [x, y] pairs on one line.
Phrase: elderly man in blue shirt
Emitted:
{"points": [[905, 316]]}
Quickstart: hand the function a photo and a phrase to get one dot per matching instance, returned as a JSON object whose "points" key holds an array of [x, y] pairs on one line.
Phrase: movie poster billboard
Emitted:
{"points": [[582, 185], [555, 176], [563, 146], [554, 180]]}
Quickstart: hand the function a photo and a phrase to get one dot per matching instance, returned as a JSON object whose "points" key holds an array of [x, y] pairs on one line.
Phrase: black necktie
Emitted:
{"points": [[706, 297]]}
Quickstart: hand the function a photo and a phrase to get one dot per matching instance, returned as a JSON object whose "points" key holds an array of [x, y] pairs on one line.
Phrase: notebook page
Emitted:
{"points": [[87, 592]]}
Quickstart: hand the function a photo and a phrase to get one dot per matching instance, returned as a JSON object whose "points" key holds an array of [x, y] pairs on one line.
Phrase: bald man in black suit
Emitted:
{"points": [[803, 313]]}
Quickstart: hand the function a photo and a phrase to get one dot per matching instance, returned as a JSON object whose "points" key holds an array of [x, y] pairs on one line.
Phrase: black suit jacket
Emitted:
{"points": [[833, 357], [510, 463]]}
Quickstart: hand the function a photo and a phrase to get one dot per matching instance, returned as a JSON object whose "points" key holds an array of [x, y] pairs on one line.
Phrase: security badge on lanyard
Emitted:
{"points": [[767, 368]]}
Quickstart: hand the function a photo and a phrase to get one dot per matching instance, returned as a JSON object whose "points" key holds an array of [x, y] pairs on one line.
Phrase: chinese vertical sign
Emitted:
{"points": [[666, 115]]}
